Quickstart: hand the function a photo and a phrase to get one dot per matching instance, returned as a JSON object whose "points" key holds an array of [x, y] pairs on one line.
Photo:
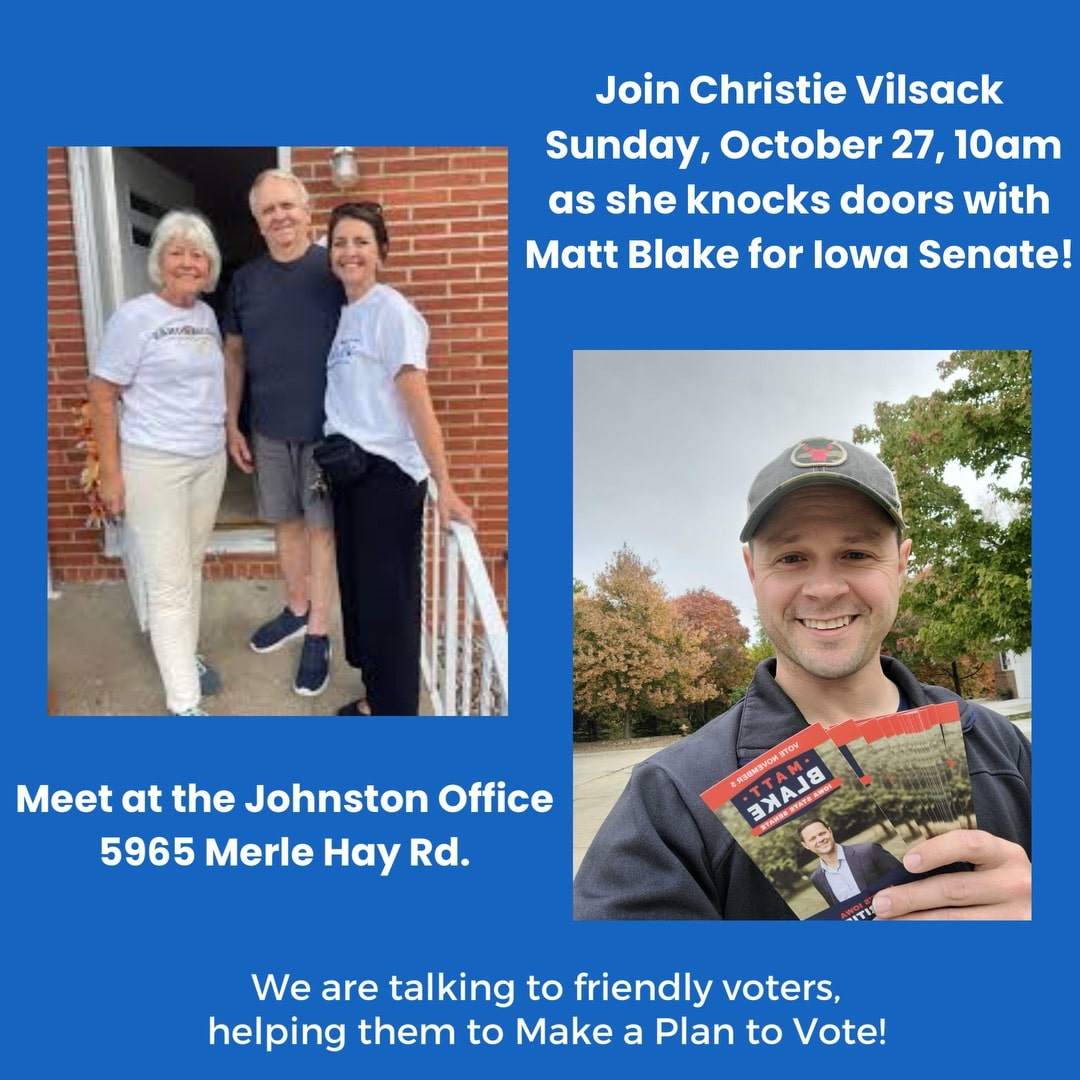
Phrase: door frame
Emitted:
{"points": [[99, 268]]}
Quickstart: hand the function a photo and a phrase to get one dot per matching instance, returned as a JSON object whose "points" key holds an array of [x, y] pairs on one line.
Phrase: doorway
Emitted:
{"points": [[215, 181]]}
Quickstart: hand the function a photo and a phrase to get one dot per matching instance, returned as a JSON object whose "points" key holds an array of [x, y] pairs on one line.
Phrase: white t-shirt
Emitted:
{"points": [[168, 361], [378, 335]]}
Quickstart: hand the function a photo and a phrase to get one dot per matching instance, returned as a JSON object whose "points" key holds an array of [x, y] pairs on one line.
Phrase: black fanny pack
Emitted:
{"points": [[341, 460]]}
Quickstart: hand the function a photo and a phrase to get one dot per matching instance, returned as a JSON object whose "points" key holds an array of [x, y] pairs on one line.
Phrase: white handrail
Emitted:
{"points": [[465, 651]]}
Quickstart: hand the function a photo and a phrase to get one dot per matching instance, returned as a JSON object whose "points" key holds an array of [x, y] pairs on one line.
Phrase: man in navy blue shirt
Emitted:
{"points": [[280, 318]]}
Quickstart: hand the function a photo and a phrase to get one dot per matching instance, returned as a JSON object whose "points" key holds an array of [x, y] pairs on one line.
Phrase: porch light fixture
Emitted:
{"points": [[343, 166]]}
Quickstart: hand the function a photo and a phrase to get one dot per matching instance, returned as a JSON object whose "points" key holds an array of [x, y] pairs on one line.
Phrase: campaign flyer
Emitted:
{"points": [[836, 808], [792, 808]]}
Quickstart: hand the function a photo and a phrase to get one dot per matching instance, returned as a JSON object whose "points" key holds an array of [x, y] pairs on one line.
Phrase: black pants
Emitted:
{"points": [[378, 528]]}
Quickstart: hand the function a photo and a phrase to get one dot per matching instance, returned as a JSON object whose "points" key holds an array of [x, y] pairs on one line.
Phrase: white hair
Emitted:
{"points": [[191, 227], [277, 174]]}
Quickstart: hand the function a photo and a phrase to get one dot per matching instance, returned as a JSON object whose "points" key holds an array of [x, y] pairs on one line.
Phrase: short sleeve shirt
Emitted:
{"points": [[286, 313], [169, 365], [379, 335]]}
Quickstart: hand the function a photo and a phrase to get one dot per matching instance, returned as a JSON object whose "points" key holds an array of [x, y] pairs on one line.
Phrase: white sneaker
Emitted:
{"points": [[193, 711]]}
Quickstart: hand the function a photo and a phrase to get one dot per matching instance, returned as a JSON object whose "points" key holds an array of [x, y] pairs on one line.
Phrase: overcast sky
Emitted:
{"points": [[666, 445]]}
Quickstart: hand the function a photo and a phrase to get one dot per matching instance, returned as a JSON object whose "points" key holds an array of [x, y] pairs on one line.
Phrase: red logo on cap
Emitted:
{"points": [[812, 452]]}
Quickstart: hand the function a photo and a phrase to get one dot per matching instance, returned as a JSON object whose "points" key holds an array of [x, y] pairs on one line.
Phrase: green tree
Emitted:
{"points": [[971, 676], [632, 656], [971, 590], [761, 648]]}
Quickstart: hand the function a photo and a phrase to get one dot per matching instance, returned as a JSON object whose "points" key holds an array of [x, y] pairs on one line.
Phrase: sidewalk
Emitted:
{"points": [[1011, 707], [599, 778], [100, 664]]}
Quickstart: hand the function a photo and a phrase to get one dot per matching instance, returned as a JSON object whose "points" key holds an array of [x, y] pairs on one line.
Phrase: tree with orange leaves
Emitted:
{"points": [[725, 641], [633, 656]]}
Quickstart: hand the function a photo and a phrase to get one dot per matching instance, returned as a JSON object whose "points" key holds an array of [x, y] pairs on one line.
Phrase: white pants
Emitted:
{"points": [[170, 504]]}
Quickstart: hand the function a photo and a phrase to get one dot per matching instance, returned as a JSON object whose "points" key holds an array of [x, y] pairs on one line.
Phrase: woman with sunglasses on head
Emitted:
{"points": [[377, 399]]}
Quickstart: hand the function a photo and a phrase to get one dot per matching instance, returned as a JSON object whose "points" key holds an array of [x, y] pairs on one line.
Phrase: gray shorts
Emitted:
{"points": [[285, 483]]}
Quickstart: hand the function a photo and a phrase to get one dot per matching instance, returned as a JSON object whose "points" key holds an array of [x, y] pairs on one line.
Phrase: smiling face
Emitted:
{"points": [[283, 218], [354, 256], [826, 568], [185, 272], [818, 838]]}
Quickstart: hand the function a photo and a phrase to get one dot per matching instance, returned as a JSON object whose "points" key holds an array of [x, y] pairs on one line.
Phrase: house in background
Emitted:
{"points": [[446, 209], [1012, 674]]}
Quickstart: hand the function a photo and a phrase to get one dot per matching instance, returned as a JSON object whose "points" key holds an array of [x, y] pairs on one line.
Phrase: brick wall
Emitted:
{"points": [[446, 212], [74, 549]]}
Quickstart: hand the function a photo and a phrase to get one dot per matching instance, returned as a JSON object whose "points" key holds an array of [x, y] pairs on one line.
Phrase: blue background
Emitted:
{"points": [[120, 968]]}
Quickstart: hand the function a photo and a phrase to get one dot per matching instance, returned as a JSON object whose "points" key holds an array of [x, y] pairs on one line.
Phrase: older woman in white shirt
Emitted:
{"points": [[157, 396]]}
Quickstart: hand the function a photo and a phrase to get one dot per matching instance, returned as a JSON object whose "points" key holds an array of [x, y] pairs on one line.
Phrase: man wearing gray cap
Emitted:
{"points": [[825, 551]]}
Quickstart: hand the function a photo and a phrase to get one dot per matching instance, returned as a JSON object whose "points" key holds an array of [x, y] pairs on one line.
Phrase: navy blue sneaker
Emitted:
{"points": [[209, 679], [314, 671], [280, 629]]}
